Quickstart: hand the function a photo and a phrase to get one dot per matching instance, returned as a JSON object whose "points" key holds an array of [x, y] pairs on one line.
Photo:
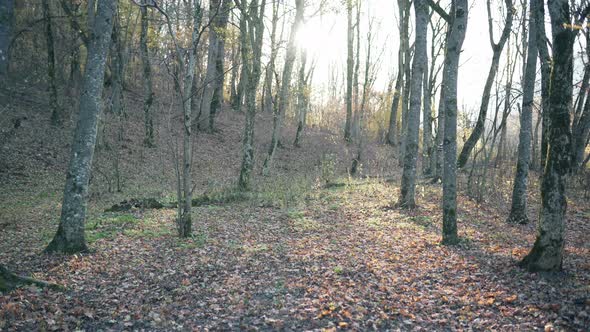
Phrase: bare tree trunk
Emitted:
{"points": [[485, 100], [70, 233], [427, 152], [270, 68], [185, 218], [302, 98], [252, 28], [349, 72], [455, 42], [547, 252], [581, 123], [408, 182], [546, 64], [56, 112], [148, 121], [285, 88], [213, 94], [518, 211], [117, 69]]}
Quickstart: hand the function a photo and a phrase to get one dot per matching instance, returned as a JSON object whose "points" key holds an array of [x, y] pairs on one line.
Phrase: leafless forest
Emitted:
{"points": [[294, 165]]}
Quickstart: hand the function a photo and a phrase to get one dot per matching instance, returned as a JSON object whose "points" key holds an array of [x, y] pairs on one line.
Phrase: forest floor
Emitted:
{"points": [[294, 254], [323, 259]]}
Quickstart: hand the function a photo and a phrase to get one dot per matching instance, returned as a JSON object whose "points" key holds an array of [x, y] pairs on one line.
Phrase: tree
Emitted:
{"points": [[252, 32], [458, 26], [404, 12], [6, 22], [303, 98], [148, 121], [270, 68], [70, 233], [56, 112], [485, 100], [518, 210], [581, 122], [349, 72], [213, 94], [284, 97], [547, 251], [408, 182]]}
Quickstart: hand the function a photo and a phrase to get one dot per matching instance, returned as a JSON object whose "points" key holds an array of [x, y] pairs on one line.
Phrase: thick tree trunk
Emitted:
{"points": [[6, 25], [518, 211], [285, 88], [455, 42], [547, 252], [408, 181], [485, 100], [70, 233], [148, 121]]}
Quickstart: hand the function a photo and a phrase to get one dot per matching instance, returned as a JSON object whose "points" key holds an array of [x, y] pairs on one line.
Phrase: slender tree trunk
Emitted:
{"points": [[270, 68], [485, 100], [349, 72], [6, 25], [213, 94], [252, 29], [547, 252], [56, 112], [211, 75], [455, 43], [302, 98], [546, 64], [408, 182], [117, 69], [518, 211], [426, 124], [185, 218], [70, 233], [285, 88], [148, 121], [581, 123]]}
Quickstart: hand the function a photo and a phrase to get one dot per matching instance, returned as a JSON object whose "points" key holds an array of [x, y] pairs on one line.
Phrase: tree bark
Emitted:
{"points": [[302, 98], [547, 252], [408, 181], [270, 68], [349, 72], [455, 42], [518, 210], [56, 112], [70, 233], [483, 109], [213, 94], [252, 28], [148, 121]]}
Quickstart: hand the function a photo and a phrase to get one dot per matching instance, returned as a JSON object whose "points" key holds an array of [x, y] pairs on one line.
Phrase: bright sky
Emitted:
{"points": [[325, 38]]}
